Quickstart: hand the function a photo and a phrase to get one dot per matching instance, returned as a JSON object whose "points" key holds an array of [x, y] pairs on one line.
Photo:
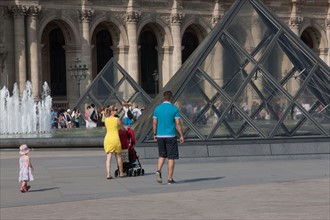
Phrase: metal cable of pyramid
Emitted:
{"points": [[113, 86], [251, 78]]}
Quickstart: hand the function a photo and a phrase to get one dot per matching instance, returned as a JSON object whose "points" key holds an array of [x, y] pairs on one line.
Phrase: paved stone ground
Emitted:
{"points": [[71, 184]]}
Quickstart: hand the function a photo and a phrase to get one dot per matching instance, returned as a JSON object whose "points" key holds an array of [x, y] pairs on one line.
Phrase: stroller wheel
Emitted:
{"points": [[130, 173], [134, 172], [139, 172], [116, 173], [142, 172]]}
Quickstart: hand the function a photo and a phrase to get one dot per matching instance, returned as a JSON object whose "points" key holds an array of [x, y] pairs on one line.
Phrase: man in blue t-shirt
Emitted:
{"points": [[166, 121]]}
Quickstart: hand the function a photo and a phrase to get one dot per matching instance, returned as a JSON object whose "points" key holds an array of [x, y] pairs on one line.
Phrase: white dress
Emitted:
{"points": [[25, 172]]}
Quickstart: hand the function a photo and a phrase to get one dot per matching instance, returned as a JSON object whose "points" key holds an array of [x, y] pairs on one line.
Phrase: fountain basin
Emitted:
{"points": [[62, 138]]}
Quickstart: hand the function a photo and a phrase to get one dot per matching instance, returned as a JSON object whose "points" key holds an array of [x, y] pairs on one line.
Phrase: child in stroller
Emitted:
{"points": [[131, 163]]}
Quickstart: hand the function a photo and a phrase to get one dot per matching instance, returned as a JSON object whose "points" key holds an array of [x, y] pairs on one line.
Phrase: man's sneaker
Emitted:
{"points": [[171, 181], [159, 177]]}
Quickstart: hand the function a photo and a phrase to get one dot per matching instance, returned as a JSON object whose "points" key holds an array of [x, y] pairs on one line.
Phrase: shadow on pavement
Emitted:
{"points": [[41, 190], [200, 179]]}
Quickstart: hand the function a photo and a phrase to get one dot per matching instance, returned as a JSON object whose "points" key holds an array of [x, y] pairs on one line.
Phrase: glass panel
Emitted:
{"points": [[201, 120], [222, 132], [112, 100], [192, 98], [213, 62], [319, 86], [296, 56], [292, 118], [293, 84], [259, 52], [321, 115], [112, 75], [101, 91], [247, 23], [218, 108], [188, 133], [234, 120], [307, 128], [125, 90], [140, 101], [221, 64], [271, 63], [249, 131]]}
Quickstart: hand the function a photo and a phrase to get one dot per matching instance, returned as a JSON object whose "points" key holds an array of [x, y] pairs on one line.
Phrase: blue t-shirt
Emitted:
{"points": [[166, 113]]}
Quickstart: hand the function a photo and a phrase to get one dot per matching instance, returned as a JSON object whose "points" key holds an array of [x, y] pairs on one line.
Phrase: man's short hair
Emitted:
{"points": [[167, 95]]}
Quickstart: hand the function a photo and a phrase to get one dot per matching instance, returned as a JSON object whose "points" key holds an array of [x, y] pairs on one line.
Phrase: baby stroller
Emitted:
{"points": [[131, 162]]}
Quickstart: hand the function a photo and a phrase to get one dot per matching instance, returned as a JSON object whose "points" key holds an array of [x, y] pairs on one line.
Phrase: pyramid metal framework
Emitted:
{"points": [[251, 78], [113, 86]]}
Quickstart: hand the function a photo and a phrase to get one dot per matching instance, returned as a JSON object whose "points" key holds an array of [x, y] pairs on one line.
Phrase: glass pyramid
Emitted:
{"points": [[251, 78], [113, 85]]}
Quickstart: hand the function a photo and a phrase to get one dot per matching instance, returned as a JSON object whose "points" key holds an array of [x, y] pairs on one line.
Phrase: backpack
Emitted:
{"points": [[93, 117], [130, 114]]}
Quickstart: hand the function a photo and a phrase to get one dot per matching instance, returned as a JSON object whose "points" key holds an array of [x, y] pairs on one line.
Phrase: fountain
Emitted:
{"points": [[24, 115]]}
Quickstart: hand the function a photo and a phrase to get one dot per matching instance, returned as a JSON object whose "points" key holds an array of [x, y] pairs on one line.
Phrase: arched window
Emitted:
{"points": [[149, 61], [57, 63], [103, 49], [307, 39], [189, 44]]}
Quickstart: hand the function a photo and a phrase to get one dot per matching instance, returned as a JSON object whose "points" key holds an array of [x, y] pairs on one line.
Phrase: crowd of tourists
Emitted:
{"points": [[65, 118], [93, 116]]}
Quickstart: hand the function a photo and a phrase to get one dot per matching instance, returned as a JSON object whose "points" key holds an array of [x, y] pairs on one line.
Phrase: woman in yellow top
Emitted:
{"points": [[111, 142]]}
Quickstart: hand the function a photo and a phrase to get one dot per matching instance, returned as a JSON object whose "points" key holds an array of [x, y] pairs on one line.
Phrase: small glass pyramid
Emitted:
{"points": [[251, 78], [113, 86]]}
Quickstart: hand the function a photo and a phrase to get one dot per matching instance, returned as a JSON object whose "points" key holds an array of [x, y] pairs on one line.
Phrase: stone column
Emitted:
{"points": [[217, 71], [132, 18], [295, 18], [133, 49], [3, 76], [3, 51], [294, 23], [176, 20], [119, 54], [19, 12], [327, 25], [71, 51], [86, 57], [8, 48], [218, 12], [163, 63], [256, 29], [33, 49]]}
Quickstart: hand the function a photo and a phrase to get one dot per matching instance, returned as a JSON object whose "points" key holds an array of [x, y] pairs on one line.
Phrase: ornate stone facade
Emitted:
{"points": [[27, 52]]}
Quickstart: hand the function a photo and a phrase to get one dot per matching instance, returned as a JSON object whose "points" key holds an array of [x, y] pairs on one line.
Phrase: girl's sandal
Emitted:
{"points": [[23, 190], [109, 177]]}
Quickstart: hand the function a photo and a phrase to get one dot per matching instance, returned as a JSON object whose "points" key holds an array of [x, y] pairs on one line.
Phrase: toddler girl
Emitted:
{"points": [[25, 168]]}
